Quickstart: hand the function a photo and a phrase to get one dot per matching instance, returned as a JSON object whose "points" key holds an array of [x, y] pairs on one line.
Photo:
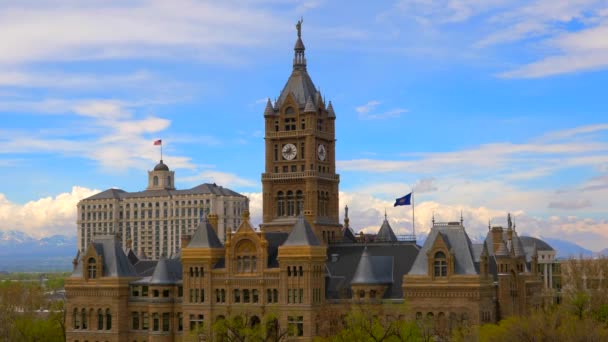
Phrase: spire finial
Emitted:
{"points": [[433, 218], [346, 211], [489, 224], [461, 219], [509, 221], [385, 217], [299, 26]]}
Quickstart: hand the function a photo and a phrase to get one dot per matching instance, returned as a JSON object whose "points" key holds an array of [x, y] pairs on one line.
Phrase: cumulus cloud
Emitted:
{"points": [[46, 216]]}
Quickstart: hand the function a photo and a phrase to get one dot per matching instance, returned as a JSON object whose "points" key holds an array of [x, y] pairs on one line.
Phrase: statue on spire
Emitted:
{"points": [[299, 27]]}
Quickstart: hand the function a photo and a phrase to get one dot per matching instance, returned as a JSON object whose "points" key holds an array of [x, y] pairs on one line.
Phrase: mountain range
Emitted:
{"points": [[22, 252]]}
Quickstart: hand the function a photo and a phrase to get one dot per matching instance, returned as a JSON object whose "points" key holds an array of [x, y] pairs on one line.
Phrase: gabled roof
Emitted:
{"points": [[459, 243], [348, 235], [301, 234], [204, 236], [107, 194], [310, 107], [115, 261], [373, 269], [386, 232]]}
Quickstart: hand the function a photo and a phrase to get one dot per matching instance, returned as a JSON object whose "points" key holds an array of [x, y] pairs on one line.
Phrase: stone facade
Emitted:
{"points": [[302, 265]]}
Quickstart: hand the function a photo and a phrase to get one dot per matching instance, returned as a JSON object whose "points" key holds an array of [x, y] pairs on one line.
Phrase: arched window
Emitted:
{"points": [[290, 204], [92, 268], [246, 257], [289, 111], [99, 319], [84, 318], [440, 265], [299, 202], [108, 320], [76, 319], [280, 204], [155, 180]]}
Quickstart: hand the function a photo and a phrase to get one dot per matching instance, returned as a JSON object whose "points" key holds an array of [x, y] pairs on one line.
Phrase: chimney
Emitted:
{"points": [[496, 238]]}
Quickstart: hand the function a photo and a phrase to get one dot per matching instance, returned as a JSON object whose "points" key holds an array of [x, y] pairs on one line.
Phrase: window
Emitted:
{"points": [[76, 319], [108, 320], [135, 320], [166, 321], [295, 325], [196, 321], [165, 293], [280, 204], [84, 318], [237, 296], [155, 181], [144, 323], [246, 296], [440, 265], [99, 319], [155, 323], [299, 202], [92, 268], [290, 204], [180, 321]]}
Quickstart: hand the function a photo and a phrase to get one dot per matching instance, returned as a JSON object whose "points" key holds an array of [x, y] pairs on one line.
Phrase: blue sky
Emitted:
{"points": [[486, 107]]}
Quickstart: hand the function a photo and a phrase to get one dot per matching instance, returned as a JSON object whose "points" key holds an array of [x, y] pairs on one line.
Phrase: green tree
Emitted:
{"points": [[248, 328]]}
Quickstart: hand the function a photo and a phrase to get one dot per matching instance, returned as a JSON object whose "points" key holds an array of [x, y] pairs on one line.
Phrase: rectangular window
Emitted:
{"points": [[180, 321], [246, 296], [237, 296], [144, 324], [144, 291], [288, 296], [301, 295], [135, 320], [155, 323], [295, 325], [254, 296], [166, 321]]}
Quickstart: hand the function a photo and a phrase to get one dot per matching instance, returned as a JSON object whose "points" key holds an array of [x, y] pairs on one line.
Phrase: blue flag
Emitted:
{"points": [[405, 200]]}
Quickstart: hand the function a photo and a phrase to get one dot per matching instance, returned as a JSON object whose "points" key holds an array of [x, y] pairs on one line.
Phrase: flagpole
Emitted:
{"points": [[161, 150], [413, 215]]}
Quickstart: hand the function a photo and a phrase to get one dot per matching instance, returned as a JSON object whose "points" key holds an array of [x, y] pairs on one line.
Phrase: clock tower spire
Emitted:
{"points": [[300, 169]]}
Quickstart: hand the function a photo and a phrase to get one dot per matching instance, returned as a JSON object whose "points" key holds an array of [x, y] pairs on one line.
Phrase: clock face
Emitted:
{"points": [[321, 152], [289, 151]]}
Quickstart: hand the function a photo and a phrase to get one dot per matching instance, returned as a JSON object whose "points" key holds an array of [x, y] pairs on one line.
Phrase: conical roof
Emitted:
{"points": [[310, 107], [373, 270], [301, 234], [330, 111], [204, 236], [161, 273], [269, 110], [386, 232]]}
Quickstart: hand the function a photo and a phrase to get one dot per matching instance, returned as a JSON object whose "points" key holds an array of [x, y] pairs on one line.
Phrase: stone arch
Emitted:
{"points": [[254, 321]]}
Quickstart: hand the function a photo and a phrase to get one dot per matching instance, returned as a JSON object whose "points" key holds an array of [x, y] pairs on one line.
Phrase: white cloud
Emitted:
{"points": [[221, 178], [110, 133], [367, 111], [180, 29], [46, 216]]}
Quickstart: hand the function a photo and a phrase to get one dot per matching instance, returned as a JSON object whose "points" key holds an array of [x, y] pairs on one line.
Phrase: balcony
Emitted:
{"points": [[300, 175]]}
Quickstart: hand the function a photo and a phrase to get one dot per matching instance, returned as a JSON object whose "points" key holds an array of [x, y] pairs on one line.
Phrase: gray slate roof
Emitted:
{"points": [[301, 87], [200, 189], [386, 232], [166, 272], [373, 269], [341, 269], [301, 234], [115, 261], [458, 241], [204, 236]]}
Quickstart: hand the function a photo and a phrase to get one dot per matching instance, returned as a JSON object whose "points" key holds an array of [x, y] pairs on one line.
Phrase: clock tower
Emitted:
{"points": [[300, 170]]}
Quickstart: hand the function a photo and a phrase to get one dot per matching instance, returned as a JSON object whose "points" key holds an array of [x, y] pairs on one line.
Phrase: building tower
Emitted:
{"points": [[161, 178], [300, 171]]}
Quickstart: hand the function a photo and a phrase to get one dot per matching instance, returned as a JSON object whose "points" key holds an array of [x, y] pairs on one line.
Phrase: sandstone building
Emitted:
{"points": [[154, 220], [302, 263]]}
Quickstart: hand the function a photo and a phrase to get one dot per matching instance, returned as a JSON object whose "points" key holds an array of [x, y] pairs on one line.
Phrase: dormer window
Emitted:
{"points": [[440, 265], [92, 268]]}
